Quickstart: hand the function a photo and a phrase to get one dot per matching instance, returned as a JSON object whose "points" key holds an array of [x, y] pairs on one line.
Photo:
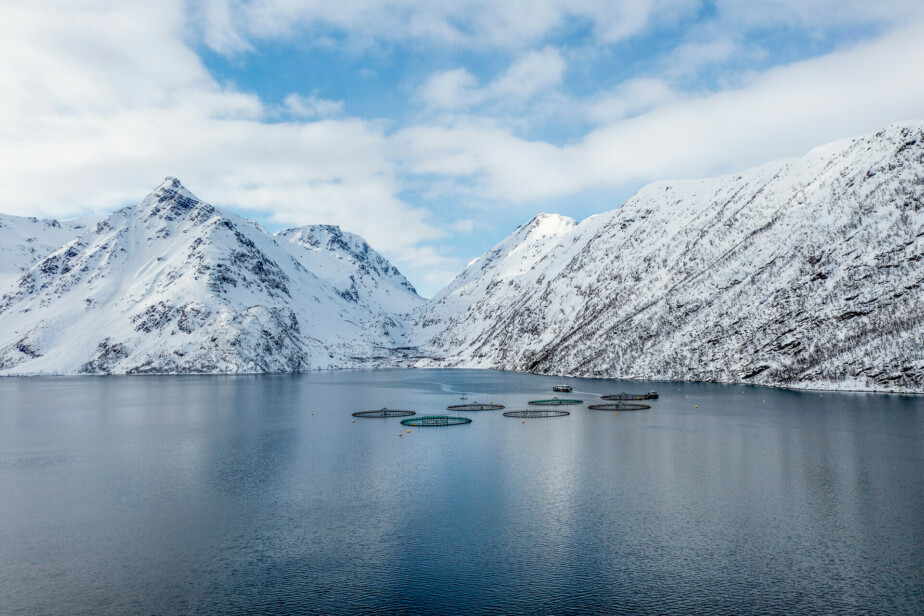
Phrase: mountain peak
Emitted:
{"points": [[546, 225], [170, 201], [346, 261], [171, 188]]}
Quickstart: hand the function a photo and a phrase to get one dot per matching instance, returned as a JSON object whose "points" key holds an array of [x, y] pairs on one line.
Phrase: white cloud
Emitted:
{"points": [[632, 97], [816, 13], [231, 25], [219, 31], [690, 56], [529, 75], [511, 24], [451, 89], [311, 106], [782, 112]]}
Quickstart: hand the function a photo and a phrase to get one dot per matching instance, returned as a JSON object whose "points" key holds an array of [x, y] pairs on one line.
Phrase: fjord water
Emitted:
{"points": [[258, 494]]}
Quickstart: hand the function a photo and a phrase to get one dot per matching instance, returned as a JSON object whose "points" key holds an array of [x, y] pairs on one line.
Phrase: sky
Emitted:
{"points": [[432, 128]]}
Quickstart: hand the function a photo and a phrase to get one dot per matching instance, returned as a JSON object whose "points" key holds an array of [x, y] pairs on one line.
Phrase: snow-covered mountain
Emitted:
{"points": [[174, 284], [24, 241], [348, 263], [801, 273]]}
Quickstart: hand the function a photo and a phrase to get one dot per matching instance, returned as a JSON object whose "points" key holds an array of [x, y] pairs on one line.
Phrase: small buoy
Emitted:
{"points": [[312, 413], [615, 413], [354, 421], [696, 406], [821, 395], [524, 421], [408, 431]]}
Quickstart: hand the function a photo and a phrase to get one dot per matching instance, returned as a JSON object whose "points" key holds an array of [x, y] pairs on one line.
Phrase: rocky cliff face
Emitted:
{"points": [[174, 284], [801, 273]]}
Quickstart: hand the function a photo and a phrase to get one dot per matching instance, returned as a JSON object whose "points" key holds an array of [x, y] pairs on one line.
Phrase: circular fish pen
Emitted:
{"points": [[625, 396], [475, 407], [430, 421], [555, 402], [384, 413], [536, 413], [618, 406]]}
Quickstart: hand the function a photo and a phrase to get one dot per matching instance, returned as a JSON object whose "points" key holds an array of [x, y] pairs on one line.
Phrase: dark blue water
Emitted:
{"points": [[199, 495]]}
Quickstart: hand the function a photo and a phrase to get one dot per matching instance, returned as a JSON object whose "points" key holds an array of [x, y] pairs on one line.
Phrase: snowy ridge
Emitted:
{"points": [[23, 241], [174, 285], [348, 263], [800, 273]]}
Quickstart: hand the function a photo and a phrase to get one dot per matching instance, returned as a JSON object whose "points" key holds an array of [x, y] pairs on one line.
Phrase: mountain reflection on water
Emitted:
{"points": [[225, 494]]}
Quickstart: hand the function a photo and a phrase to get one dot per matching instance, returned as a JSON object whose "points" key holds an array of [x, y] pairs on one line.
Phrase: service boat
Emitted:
{"points": [[563, 388]]}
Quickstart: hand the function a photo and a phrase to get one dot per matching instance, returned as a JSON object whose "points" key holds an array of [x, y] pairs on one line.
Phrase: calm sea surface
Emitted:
{"points": [[203, 495]]}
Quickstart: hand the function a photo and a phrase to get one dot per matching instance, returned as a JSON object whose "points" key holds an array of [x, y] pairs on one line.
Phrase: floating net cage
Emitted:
{"points": [[618, 406], [428, 421], [384, 413], [536, 413], [555, 402], [625, 396], [475, 407]]}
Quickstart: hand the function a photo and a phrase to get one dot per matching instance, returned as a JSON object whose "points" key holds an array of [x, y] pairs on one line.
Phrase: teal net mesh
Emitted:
{"points": [[555, 402], [536, 413], [429, 421], [475, 407], [384, 413], [618, 406], [626, 396]]}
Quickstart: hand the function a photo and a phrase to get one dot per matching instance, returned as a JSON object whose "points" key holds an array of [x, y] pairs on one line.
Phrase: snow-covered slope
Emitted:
{"points": [[23, 241], [803, 273], [175, 285], [348, 263]]}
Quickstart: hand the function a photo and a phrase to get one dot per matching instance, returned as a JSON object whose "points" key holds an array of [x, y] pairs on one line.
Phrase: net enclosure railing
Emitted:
{"points": [[536, 413], [384, 413], [475, 407], [625, 396], [618, 406], [555, 402], [429, 421]]}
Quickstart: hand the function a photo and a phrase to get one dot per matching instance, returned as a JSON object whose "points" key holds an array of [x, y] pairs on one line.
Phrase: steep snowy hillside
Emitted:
{"points": [[348, 263], [175, 285], [801, 273], [23, 241]]}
